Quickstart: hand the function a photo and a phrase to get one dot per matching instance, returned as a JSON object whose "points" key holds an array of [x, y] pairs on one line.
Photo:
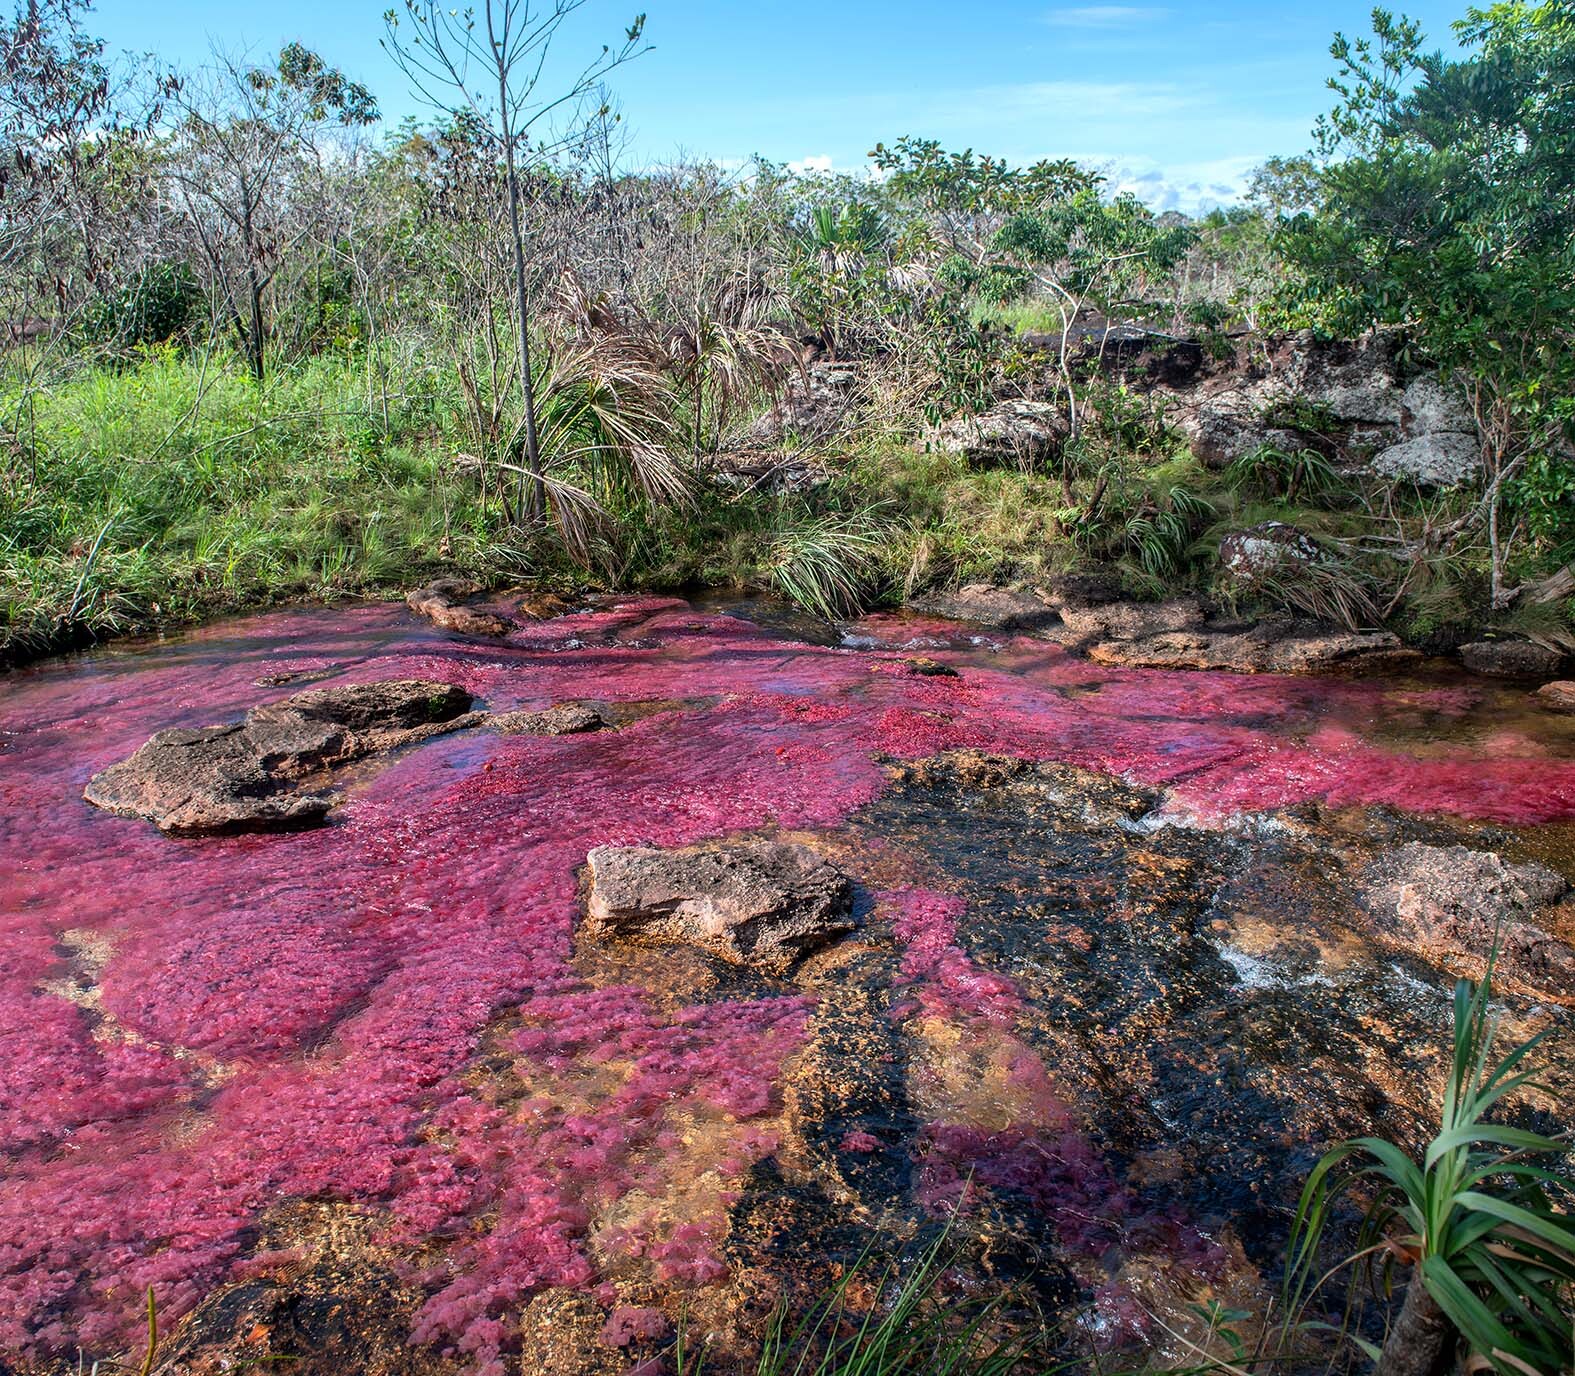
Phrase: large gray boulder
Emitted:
{"points": [[266, 772], [762, 904], [1272, 548], [1014, 433], [1444, 459], [1450, 903]]}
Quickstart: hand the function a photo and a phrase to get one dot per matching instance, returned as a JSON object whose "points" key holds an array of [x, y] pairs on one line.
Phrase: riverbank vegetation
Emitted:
{"points": [[256, 351]]}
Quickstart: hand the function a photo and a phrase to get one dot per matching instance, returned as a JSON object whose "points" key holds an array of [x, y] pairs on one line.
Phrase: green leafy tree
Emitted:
{"points": [[1447, 206]]}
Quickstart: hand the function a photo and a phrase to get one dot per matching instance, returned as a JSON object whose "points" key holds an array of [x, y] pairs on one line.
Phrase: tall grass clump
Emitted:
{"points": [[1479, 1223]]}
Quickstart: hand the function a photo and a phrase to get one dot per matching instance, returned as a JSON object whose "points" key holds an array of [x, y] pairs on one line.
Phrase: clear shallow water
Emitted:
{"points": [[1118, 1038]]}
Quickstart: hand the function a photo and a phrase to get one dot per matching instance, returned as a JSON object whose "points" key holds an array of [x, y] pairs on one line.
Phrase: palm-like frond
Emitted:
{"points": [[1482, 1215]]}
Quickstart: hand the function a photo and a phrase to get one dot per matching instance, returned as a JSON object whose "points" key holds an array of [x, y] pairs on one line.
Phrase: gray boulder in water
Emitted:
{"points": [[258, 774], [761, 904]]}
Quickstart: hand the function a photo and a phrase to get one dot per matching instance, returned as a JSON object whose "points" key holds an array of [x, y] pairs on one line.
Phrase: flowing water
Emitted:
{"points": [[1111, 993]]}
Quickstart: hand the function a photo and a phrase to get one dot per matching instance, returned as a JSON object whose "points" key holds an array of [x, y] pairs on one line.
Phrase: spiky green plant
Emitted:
{"points": [[1481, 1220], [911, 1329], [825, 562], [1289, 474]]}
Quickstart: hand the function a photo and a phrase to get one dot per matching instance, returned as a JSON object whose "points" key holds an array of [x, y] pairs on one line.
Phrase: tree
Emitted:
{"points": [[1447, 207], [237, 154], [508, 98]]}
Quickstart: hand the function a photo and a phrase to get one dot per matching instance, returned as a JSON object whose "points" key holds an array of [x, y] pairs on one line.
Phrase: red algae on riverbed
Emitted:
{"points": [[388, 1011]]}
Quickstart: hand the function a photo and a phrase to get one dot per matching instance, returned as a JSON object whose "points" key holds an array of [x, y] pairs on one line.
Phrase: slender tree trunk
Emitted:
{"points": [[1422, 1339], [535, 502], [255, 341]]}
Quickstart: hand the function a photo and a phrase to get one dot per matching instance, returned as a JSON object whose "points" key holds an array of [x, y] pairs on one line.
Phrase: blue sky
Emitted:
{"points": [[1178, 101]]}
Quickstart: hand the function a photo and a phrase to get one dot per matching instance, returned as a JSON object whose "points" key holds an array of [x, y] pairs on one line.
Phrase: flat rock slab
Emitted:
{"points": [[1451, 902], [561, 719], [761, 904], [1261, 651], [253, 775]]}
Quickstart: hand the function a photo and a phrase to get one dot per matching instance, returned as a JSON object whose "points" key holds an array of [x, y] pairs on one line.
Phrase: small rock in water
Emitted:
{"points": [[1558, 696], [929, 668], [247, 776], [762, 904], [561, 719], [443, 604]]}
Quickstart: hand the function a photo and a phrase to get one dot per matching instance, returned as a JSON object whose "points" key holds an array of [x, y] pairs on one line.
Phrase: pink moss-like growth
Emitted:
{"points": [[302, 1016]]}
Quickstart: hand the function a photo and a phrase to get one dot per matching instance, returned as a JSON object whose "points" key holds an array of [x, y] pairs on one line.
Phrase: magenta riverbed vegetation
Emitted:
{"points": [[197, 1030]]}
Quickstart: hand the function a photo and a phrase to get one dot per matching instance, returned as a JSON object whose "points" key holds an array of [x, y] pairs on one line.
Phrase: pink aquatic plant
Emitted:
{"points": [[308, 1016]]}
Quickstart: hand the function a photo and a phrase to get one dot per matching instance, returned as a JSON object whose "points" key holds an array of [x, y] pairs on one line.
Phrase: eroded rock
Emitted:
{"points": [[1451, 902], [443, 603], [1265, 649], [761, 904], [1014, 432], [1510, 659], [1558, 696], [257, 774], [1132, 620]]}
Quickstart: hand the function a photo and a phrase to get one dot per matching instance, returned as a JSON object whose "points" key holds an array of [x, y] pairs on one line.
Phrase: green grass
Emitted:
{"points": [[160, 492]]}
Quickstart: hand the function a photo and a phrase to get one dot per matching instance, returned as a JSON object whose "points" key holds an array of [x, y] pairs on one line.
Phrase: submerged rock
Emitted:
{"points": [[561, 719], [1265, 649], [1558, 696], [761, 904], [443, 604], [1451, 903], [925, 667], [1510, 659], [249, 776]]}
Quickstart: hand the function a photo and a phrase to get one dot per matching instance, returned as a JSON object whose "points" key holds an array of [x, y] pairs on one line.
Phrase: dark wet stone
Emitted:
{"points": [[1510, 659], [929, 668], [763, 904], [255, 774], [963, 768], [443, 604], [999, 608], [325, 1309]]}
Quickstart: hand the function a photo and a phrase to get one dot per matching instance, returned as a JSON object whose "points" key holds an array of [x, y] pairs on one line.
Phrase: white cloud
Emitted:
{"points": [[1104, 16], [817, 162], [1190, 187]]}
